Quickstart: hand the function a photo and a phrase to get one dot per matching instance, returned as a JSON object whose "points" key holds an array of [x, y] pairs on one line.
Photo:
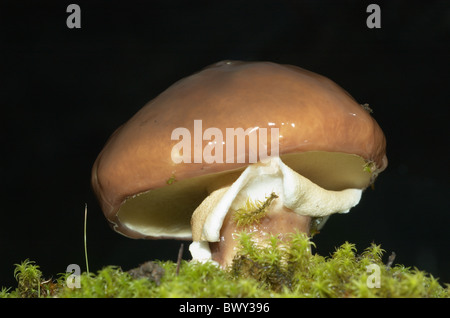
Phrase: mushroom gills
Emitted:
{"points": [[295, 202]]}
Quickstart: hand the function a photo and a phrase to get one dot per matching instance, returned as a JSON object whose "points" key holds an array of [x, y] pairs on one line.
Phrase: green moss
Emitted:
{"points": [[369, 166], [252, 211], [279, 269], [171, 180], [29, 278]]}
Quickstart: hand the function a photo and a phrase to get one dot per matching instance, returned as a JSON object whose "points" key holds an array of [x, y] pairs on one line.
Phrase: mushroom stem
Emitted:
{"points": [[277, 221]]}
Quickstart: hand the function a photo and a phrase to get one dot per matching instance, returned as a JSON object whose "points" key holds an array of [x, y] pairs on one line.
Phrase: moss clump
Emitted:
{"points": [[291, 269], [30, 282], [276, 265], [279, 269], [252, 211]]}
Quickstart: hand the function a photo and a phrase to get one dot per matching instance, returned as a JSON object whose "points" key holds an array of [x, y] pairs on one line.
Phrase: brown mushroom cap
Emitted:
{"points": [[325, 135]]}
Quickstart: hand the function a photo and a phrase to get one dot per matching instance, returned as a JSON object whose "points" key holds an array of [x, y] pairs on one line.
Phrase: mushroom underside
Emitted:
{"points": [[166, 212]]}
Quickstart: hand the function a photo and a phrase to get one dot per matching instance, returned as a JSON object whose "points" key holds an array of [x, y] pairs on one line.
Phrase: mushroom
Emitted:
{"points": [[325, 150]]}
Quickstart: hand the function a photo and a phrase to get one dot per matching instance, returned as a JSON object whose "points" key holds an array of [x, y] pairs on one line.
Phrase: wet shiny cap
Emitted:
{"points": [[324, 134]]}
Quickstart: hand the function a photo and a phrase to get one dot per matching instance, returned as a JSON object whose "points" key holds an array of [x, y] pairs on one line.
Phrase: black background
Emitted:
{"points": [[64, 91]]}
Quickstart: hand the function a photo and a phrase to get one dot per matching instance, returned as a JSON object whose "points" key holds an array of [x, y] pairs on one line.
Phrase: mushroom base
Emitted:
{"points": [[279, 221]]}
